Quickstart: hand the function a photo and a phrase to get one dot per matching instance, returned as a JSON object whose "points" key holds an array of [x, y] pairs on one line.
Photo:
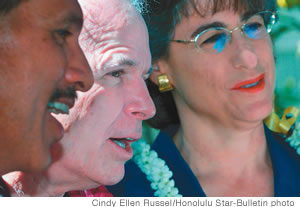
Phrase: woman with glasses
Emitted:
{"points": [[212, 84]]}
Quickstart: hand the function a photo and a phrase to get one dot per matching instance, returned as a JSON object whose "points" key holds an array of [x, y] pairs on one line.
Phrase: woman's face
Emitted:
{"points": [[213, 85]]}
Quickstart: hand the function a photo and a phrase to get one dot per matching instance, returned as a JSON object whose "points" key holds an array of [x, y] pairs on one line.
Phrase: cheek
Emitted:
{"points": [[104, 110], [199, 77], [267, 59], [273, 75], [56, 56]]}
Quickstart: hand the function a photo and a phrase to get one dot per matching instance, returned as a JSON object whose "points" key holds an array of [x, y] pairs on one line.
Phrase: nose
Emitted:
{"points": [[78, 73], [140, 104], [244, 56]]}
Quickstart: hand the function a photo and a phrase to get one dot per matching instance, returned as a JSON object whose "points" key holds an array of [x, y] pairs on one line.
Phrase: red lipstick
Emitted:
{"points": [[251, 86]]}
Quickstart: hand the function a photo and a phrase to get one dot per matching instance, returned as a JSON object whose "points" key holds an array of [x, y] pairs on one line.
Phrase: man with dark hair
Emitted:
{"points": [[106, 119], [41, 68], [7, 5]]}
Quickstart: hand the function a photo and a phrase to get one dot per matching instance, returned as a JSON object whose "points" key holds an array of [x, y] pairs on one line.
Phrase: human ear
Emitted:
{"points": [[160, 67]]}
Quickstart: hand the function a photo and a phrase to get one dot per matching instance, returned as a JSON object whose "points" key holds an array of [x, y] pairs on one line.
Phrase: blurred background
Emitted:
{"points": [[286, 39]]}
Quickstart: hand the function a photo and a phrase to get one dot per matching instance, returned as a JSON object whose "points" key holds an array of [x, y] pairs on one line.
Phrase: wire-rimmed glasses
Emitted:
{"points": [[215, 39]]}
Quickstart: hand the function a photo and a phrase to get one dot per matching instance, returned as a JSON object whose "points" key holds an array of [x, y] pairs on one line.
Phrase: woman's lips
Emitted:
{"points": [[251, 86]]}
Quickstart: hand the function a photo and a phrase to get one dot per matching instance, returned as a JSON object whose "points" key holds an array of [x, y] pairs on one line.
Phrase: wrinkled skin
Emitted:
{"points": [[115, 42]]}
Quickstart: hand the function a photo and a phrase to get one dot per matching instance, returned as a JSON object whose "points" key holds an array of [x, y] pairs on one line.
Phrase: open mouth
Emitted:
{"points": [[251, 86], [56, 127], [122, 142], [60, 105], [58, 108], [62, 100]]}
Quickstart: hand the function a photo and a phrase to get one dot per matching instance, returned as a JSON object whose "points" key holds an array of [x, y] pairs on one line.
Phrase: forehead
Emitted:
{"points": [[113, 30], [105, 14], [42, 12], [104, 20]]}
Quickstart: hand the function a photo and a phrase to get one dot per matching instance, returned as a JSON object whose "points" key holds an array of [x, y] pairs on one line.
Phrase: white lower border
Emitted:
{"points": [[150, 202]]}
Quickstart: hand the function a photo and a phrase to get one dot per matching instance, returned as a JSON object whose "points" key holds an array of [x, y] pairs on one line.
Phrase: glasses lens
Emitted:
{"points": [[259, 25], [213, 40]]}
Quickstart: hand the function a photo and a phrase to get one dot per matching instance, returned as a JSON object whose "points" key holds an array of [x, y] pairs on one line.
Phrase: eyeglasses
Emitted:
{"points": [[215, 39]]}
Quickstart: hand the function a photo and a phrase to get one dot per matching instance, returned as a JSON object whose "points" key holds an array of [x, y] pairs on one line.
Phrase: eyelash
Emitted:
{"points": [[117, 73]]}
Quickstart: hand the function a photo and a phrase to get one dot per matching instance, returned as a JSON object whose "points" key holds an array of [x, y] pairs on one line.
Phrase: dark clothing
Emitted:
{"points": [[285, 162]]}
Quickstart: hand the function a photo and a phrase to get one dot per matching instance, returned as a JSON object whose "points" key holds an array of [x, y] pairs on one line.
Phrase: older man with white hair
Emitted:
{"points": [[108, 118]]}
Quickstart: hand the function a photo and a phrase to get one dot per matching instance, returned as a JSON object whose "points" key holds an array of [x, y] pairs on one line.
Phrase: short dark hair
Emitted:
{"points": [[7, 5], [161, 21]]}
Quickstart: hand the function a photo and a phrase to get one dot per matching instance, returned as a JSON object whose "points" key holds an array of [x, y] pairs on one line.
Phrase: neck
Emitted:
{"points": [[211, 147]]}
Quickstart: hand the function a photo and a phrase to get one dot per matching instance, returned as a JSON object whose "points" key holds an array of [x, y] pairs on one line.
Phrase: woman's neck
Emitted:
{"points": [[208, 143], [225, 160], [209, 146]]}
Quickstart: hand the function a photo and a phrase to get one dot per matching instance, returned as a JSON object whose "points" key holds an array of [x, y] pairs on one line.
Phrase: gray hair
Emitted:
{"points": [[140, 5]]}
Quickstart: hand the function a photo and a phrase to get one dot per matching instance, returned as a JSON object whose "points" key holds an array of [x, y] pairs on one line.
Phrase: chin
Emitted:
{"points": [[115, 180], [113, 176], [259, 113]]}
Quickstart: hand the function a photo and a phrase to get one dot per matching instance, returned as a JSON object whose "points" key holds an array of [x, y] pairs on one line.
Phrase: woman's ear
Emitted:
{"points": [[160, 67]]}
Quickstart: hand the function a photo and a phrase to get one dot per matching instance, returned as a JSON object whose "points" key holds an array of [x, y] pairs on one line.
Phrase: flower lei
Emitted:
{"points": [[156, 170], [294, 139]]}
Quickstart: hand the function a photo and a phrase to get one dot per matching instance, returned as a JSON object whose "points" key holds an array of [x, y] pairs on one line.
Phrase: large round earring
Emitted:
{"points": [[164, 84]]}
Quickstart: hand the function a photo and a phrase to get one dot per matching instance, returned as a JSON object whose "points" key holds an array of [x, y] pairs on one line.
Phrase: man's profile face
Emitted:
{"points": [[41, 67], [108, 117]]}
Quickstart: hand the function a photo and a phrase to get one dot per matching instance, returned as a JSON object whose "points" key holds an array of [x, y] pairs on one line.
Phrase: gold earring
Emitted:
{"points": [[164, 84]]}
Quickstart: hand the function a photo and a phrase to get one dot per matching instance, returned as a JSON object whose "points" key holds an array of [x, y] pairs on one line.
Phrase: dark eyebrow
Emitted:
{"points": [[73, 19], [200, 29], [247, 15], [207, 26]]}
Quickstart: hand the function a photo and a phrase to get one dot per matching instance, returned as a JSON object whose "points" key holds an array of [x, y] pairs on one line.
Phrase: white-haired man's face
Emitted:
{"points": [[107, 118]]}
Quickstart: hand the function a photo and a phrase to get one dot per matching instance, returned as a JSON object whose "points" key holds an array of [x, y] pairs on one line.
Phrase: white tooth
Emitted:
{"points": [[121, 144], [50, 104], [250, 85], [61, 106], [130, 139], [57, 107], [52, 110]]}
